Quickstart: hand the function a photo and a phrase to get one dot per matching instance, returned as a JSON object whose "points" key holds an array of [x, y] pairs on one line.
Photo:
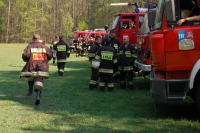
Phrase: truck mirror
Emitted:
{"points": [[170, 10], [151, 18]]}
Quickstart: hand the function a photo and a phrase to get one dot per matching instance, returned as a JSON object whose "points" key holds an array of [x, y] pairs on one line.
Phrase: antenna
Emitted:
{"points": [[136, 4], [119, 4], [123, 4]]}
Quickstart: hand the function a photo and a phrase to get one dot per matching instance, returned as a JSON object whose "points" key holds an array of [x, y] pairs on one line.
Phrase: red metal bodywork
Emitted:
{"points": [[78, 34], [175, 50], [167, 56]]}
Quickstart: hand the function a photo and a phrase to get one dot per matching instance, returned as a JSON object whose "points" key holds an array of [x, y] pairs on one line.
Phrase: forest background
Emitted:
{"points": [[19, 19]]}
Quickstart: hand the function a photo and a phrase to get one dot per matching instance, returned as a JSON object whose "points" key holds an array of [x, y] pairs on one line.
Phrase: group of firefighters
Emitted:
{"points": [[116, 63], [80, 46]]}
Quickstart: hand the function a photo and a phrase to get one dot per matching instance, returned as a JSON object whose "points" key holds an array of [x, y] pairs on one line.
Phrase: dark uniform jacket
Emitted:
{"points": [[37, 56], [115, 44], [195, 12], [93, 50], [108, 59], [126, 57], [63, 51]]}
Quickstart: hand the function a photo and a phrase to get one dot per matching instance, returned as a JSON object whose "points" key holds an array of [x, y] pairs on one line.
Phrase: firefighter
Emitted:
{"points": [[92, 53], [91, 41], [115, 44], [194, 15], [196, 10], [107, 33], [131, 24], [79, 47], [63, 51], [107, 57], [126, 61], [56, 40], [36, 55], [84, 47]]}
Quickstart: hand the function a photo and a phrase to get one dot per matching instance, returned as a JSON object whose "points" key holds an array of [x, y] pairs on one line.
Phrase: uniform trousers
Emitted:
{"points": [[106, 80], [126, 77], [36, 82], [94, 78], [116, 72], [61, 67]]}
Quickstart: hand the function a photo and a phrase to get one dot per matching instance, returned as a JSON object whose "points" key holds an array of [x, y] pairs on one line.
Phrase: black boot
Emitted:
{"points": [[123, 86], [93, 87], [38, 97], [110, 89], [102, 89], [130, 87], [30, 86], [61, 73]]}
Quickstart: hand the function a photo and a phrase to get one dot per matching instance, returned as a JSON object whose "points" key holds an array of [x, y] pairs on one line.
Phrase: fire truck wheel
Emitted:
{"points": [[192, 94], [198, 98], [193, 97]]}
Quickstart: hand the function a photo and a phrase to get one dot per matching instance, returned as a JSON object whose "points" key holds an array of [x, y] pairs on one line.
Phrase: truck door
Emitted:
{"points": [[181, 42]]}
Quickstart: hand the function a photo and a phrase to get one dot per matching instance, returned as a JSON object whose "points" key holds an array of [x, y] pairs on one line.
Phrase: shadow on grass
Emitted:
{"points": [[69, 99], [179, 110], [80, 129]]}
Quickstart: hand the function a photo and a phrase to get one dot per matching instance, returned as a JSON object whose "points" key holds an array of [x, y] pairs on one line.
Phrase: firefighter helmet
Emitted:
{"points": [[96, 63]]}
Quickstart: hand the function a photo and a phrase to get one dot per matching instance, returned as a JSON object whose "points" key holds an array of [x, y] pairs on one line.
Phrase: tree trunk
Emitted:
{"points": [[8, 21]]}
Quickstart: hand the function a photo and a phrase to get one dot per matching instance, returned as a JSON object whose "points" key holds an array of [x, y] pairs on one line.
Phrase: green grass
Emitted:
{"points": [[68, 105]]}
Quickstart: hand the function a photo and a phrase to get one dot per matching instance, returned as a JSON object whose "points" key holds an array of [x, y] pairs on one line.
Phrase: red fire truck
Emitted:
{"points": [[175, 52], [121, 23]]}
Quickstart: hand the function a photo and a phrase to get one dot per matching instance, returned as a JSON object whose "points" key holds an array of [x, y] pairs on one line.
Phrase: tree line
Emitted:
{"points": [[19, 19]]}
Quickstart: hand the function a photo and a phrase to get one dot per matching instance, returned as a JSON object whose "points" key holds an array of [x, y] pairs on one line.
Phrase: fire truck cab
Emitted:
{"points": [[175, 52], [121, 26]]}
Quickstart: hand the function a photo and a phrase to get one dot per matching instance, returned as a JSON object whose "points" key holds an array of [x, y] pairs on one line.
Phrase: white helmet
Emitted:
{"points": [[96, 63]]}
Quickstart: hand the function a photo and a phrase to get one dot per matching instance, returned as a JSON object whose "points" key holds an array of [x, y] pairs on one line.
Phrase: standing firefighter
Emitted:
{"points": [[79, 47], [63, 51], [95, 73], [115, 44], [56, 40], [106, 54], [125, 62], [36, 69]]}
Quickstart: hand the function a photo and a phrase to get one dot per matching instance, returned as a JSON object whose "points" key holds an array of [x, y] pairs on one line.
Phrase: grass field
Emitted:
{"points": [[68, 105]]}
